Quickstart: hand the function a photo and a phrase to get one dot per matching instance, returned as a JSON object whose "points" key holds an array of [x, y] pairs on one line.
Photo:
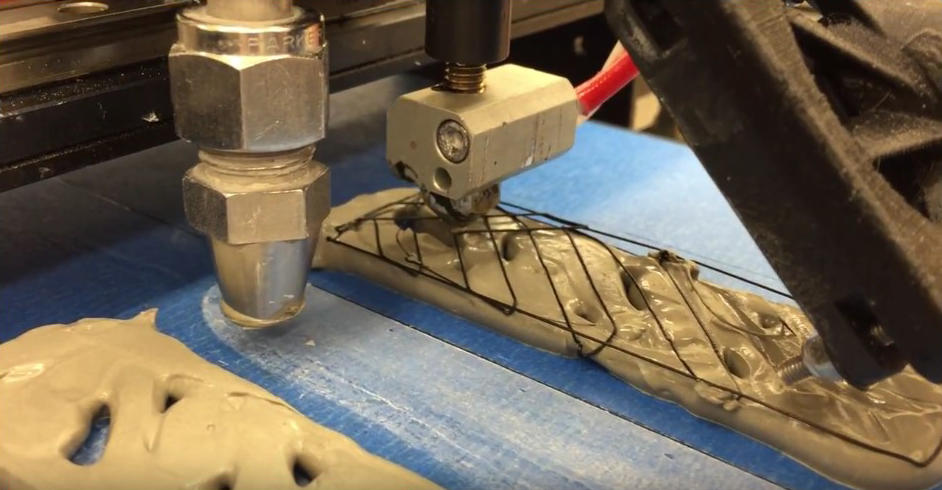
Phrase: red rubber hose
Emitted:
{"points": [[595, 91]]}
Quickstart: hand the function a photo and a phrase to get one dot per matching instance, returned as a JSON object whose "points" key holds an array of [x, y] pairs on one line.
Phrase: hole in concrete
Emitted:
{"points": [[509, 248], [303, 476], [169, 401], [222, 481], [82, 8], [587, 313], [442, 179], [633, 292], [736, 364], [92, 448], [772, 323]]}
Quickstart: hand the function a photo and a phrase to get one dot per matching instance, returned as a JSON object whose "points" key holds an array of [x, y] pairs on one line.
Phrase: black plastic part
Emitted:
{"points": [[824, 132], [468, 32]]}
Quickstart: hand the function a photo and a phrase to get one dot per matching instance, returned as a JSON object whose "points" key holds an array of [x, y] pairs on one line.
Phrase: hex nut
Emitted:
{"points": [[239, 213], [272, 104], [267, 100]]}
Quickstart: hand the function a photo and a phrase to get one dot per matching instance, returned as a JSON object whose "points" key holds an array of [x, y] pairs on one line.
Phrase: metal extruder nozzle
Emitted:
{"points": [[458, 145], [262, 214], [249, 87]]}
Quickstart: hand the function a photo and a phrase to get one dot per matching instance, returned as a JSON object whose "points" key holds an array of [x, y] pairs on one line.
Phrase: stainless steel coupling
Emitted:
{"points": [[249, 87]]}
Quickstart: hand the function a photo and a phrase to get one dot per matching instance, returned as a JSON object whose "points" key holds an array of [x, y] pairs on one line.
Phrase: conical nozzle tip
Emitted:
{"points": [[262, 284]]}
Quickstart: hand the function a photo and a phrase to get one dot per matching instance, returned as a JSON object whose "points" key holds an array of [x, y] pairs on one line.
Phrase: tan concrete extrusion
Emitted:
{"points": [[176, 421], [650, 321]]}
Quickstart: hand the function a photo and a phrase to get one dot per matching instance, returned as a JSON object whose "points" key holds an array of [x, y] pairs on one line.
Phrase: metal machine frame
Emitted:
{"points": [[98, 107]]}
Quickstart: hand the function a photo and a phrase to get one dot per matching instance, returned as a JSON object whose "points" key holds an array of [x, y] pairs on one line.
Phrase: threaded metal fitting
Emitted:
{"points": [[812, 362], [793, 371], [465, 79]]}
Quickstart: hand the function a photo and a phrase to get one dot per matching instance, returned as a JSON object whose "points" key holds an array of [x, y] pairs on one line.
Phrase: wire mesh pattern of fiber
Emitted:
{"points": [[400, 217]]}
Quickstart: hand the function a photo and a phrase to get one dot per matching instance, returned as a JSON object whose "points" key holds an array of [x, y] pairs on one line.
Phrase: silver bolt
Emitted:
{"points": [[453, 141], [793, 371], [813, 361]]}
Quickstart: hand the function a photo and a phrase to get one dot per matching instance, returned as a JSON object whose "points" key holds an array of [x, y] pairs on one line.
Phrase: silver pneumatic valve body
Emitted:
{"points": [[249, 87]]}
